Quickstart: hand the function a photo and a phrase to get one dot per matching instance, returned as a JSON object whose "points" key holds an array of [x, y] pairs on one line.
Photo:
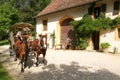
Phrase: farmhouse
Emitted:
{"points": [[55, 20]]}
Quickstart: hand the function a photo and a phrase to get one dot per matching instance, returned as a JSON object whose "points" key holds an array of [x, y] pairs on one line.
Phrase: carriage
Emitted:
{"points": [[26, 27], [21, 48]]}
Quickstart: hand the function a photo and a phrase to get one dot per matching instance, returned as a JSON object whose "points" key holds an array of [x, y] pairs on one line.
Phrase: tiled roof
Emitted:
{"points": [[59, 5]]}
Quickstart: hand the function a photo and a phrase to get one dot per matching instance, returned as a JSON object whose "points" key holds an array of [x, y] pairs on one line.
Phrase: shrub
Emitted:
{"points": [[104, 45], [82, 44]]}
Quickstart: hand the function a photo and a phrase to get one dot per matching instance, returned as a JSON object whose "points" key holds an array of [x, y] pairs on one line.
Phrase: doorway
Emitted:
{"points": [[95, 40], [67, 32]]}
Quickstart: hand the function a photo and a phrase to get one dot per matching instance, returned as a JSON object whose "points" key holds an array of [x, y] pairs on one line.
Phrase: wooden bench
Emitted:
{"points": [[58, 46]]}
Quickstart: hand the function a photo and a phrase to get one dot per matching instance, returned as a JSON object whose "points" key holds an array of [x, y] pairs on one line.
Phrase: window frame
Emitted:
{"points": [[103, 9]]}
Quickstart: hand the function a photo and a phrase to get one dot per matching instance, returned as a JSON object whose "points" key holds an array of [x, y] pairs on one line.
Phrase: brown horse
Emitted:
{"points": [[38, 46], [21, 51], [43, 45]]}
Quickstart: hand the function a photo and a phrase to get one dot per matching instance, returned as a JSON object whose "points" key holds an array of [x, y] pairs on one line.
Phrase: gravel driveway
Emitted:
{"points": [[66, 65]]}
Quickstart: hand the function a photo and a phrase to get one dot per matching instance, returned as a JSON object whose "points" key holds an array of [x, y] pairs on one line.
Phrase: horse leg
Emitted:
{"points": [[44, 53], [16, 55], [37, 55], [43, 59], [22, 63], [25, 60]]}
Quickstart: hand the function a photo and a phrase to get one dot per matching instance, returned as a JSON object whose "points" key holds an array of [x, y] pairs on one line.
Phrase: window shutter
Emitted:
{"points": [[104, 6], [45, 25], [116, 5], [90, 10]]}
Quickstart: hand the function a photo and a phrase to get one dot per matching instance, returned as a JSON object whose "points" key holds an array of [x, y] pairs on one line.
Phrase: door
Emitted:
{"points": [[67, 31], [95, 40]]}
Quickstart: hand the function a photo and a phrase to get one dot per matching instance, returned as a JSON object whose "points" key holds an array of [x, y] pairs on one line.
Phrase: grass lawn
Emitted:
{"points": [[4, 42], [4, 74]]}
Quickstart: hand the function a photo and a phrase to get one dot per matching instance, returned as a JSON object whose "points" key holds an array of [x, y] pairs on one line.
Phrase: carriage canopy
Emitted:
{"points": [[22, 25], [27, 28]]}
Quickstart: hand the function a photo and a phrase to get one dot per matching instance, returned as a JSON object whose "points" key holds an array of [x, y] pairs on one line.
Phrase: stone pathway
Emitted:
{"points": [[66, 65]]}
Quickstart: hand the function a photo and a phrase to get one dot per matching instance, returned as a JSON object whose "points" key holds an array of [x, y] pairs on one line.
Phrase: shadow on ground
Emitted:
{"points": [[3, 50], [62, 72], [70, 72]]}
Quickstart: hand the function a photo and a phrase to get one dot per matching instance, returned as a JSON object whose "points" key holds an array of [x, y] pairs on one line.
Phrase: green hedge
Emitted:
{"points": [[4, 42], [4, 74]]}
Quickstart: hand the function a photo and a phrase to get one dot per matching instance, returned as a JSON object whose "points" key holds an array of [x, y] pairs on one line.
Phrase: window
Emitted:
{"points": [[116, 8], [90, 10], [103, 7], [96, 10], [44, 25]]}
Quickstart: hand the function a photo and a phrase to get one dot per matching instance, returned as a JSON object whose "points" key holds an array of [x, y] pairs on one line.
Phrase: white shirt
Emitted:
{"points": [[18, 34]]}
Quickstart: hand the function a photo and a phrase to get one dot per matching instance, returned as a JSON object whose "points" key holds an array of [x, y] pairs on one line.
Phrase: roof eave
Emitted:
{"points": [[65, 9]]}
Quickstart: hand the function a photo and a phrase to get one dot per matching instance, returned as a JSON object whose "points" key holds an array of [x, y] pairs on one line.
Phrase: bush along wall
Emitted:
{"points": [[87, 25]]}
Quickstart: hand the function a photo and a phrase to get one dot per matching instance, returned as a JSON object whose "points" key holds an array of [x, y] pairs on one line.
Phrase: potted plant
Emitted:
{"points": [[104, 46], [53, 38]]}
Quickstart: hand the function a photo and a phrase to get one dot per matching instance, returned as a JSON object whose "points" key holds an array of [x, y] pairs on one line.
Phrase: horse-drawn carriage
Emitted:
{"points": [[22, 46], [25, 27]]}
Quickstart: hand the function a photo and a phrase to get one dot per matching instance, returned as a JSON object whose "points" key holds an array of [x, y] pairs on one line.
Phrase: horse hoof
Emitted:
{"points": [[36, 64], [15, 59], [11, 54], [22, 70], [43, 67]]}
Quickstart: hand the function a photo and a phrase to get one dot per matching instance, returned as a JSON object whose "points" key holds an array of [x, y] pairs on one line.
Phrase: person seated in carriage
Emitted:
{"points": [[19, 34]]}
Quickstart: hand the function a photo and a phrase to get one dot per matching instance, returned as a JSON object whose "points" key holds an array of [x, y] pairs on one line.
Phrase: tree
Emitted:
{"points": [[8, 16], [12, 11], [29, 9]]}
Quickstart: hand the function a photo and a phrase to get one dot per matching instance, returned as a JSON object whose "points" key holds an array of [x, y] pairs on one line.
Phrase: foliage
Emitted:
{"points": [[104, 45], [83, 26], [4, 42], [104, 23], [116, 21], [26, 14], [52, 35], [3, 74], [29, 9], [82, 44], [8, 16], [13, 11], [87, 25]]}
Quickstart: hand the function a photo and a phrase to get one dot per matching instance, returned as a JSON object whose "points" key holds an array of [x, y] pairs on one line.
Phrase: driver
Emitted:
{"points": [[19, 34]]}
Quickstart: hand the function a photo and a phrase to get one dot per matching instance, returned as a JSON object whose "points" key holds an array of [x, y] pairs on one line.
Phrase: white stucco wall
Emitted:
{"points": [[109, 12], [53, 20], [77, 13], [109, 35]]}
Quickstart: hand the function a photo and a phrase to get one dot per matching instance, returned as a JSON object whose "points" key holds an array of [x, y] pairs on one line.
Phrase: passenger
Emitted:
{"points": [[19, 34]]}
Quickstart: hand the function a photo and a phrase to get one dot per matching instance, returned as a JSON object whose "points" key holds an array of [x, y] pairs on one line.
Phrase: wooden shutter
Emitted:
{"points": [[44, 25], [104, 7], [116, 7], [90, 10]]}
